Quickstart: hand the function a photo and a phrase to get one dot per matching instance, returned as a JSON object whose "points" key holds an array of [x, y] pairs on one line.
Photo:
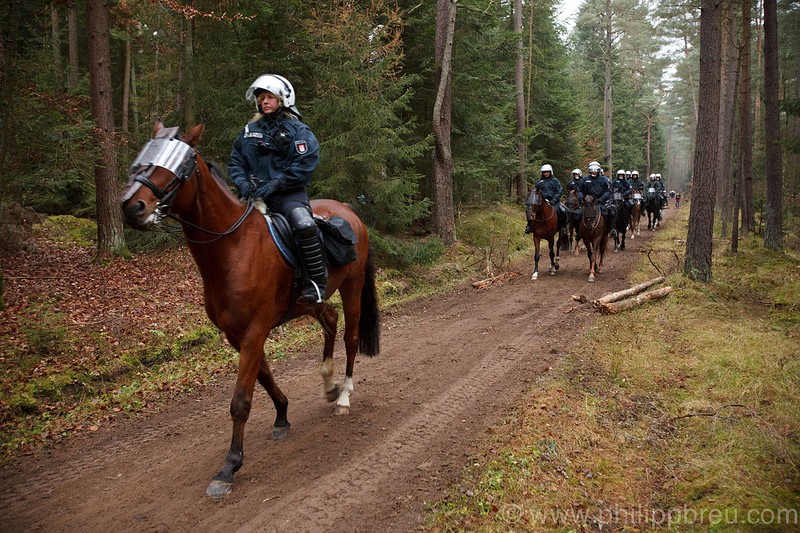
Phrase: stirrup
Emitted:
{"points": [[311, 297]]}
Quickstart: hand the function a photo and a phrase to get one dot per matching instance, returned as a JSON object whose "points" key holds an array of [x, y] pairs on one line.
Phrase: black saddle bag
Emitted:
{"points": [[338, 239]]}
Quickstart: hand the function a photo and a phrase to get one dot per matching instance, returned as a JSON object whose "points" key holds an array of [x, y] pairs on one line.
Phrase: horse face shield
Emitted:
{"points": [[166, 152]]}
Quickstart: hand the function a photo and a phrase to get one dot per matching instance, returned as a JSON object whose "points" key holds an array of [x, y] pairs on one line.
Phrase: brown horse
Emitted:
{"points": [[247, 284], [543, 224], [592, 229], [573, 206], [636, 212]]}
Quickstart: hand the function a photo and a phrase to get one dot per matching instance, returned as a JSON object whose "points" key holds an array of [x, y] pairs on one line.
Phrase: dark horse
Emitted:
{"points": [[622, 221], [543, 224], [248, 286], [573, 207], [592, 229], [653, 207]]}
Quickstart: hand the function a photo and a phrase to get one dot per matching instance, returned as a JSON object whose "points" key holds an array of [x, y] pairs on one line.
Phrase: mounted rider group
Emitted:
{"points": [[624, 190]]}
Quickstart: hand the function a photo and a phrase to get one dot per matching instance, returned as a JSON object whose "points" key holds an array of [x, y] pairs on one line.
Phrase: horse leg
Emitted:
{"points": [[249, 367], [351, 303], [281, 427], [328, 318], [553, 261], [536, 242]]}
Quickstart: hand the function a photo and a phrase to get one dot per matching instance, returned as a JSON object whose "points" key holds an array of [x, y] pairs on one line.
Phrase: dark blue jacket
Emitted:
{"points": [[551, 188], [621, 185], [596, 186], [574, 184], [638, 184], [280, 153]]}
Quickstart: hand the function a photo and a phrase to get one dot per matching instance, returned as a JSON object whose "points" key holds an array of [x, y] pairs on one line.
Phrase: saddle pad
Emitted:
{"points": [[281, 234]]}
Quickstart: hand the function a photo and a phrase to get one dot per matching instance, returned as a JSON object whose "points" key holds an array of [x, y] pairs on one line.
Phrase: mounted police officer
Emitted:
{"points": [[636, 182], [596, 185], [575, 182], [273, 160], [661, 190], [551, 189], [621, 193]]}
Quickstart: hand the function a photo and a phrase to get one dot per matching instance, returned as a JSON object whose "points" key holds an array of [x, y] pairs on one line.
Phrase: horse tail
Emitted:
{"points": [[563, 242], [369, 323]]}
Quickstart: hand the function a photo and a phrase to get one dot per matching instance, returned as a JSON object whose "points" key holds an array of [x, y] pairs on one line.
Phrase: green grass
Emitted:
{"points": [[687, 421]]}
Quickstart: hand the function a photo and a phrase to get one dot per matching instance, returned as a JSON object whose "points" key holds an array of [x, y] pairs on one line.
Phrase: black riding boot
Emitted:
{"points": [[562, 220], [612, 223], [310, 246]]}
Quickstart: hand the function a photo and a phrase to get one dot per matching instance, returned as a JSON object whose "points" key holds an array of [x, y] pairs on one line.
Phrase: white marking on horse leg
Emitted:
{"points": [[535, 276], [344, 394], [328, 384]]}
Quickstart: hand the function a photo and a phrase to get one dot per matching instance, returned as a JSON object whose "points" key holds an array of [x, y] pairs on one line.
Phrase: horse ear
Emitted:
{"points": [[194, 134], [157, 127]]}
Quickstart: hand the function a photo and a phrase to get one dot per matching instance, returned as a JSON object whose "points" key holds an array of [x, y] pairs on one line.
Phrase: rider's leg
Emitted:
{"points": [[310, 247]]}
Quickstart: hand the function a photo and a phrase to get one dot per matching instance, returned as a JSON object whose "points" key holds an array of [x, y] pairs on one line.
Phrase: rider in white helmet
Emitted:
{"points": [[551, 189], [273, 159]]}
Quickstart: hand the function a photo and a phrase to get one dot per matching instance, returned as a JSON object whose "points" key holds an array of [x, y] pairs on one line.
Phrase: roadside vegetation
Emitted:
{"points": [[83, 344], [681, 414]]}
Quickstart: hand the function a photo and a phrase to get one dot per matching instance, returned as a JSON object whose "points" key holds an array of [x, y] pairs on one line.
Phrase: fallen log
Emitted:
{"points": [[625, 305], [619, 295]]}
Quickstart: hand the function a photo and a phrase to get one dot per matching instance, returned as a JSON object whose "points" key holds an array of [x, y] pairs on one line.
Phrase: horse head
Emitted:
{"points": [[533, 204], [157, 176], [571, 200]]}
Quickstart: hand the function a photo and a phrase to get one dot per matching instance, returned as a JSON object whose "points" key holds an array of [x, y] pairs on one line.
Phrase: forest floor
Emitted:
{"points": [[450, 369]]}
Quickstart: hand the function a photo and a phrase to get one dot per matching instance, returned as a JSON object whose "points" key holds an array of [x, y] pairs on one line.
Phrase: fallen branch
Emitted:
{"points": [[494, 280], [630, 303], [715, 413], [619, 295], [579, 298]]}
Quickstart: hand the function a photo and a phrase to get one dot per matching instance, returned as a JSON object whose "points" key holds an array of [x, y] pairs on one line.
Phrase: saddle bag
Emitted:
{"points": [[338, 239]]}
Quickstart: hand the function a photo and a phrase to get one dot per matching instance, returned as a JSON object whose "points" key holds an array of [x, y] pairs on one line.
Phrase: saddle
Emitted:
{"points": [[338, 239]]}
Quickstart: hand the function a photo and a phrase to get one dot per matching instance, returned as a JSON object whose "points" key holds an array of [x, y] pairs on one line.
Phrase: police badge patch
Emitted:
{"points": [[301, 147]]}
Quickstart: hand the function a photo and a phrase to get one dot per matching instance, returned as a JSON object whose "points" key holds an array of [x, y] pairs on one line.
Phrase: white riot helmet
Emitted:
{"points": [[546, 168], [577, 171], [658, 176], [620, 173], [594, 166], [277, 85], [635, 173], [652, 177]]}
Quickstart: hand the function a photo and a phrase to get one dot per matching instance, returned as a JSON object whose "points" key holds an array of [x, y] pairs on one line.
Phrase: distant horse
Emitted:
{"points": [[622, 221], [573, 207], [248, 286], [653, 207], [592, 229], [543, 224], [636, 212]]}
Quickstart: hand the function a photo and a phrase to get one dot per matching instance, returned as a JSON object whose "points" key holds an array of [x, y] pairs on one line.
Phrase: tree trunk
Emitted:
{"points": [[55, 29], [72, 43], [8, 79], [443, 217], [745, 127], [189, 101], [699, 242], [522, 152], [607, 102], [110, 238], [773, 225], [793, 165], [126, 86], [726, 114]]}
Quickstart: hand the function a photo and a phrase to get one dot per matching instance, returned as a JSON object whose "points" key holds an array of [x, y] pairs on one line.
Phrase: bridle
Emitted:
{"points": [[536, 200], [167, 151]]}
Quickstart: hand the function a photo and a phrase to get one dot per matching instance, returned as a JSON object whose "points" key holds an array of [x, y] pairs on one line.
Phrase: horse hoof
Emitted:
{"points": [[280, 433], [341, 410], [332, 394], [591, 278], [552, 271], [535, 276], [219, 489]]}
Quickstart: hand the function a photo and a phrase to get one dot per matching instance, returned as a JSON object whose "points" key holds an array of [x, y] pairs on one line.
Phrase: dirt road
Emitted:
{"points": [[450, 368]]}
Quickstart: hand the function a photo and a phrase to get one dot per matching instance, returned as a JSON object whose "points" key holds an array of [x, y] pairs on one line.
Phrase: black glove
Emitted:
{"points": [[244, 189]]}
